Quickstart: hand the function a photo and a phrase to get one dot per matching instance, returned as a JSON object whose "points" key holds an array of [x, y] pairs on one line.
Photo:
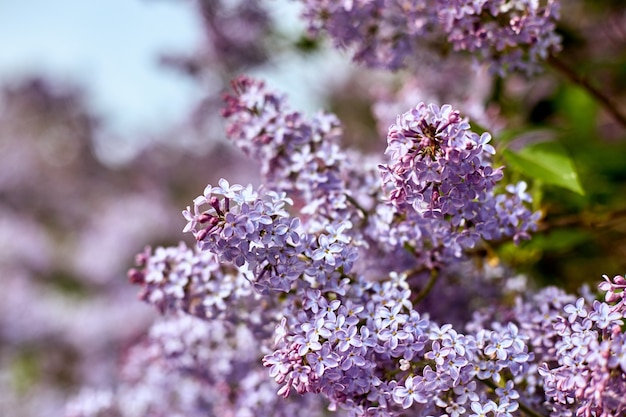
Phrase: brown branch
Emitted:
{"points": [[587, 220], [583, 82]]}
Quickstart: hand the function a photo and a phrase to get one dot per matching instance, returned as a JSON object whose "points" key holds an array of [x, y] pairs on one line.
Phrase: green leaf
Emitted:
{"points": [[547, 162], [559, 239], [580, 109]]}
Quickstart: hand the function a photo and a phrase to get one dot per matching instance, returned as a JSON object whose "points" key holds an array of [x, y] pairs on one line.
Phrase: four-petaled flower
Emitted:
{"points": [[411, 391]]}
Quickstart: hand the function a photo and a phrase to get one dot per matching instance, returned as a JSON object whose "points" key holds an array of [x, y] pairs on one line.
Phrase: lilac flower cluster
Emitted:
{"points": [[298, 156], [255, 232], [383, 32], [356, 340], [182, 279], [578, 346], [192, 367], [510, 35], [513, 35], [369, 352], [589, 376], [247, 229], [441, 186]]}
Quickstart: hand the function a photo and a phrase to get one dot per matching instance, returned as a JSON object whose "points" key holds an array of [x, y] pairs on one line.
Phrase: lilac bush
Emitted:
{"points": [[361, 284], [326, 326]]}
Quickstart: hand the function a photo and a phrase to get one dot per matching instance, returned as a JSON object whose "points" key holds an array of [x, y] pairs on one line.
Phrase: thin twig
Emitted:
{"points": [[357, 205], [429, 286], [526, 409], [588, 220], [583, 82]]}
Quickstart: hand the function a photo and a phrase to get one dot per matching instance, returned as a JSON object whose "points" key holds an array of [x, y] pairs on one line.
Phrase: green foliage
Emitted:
{"points": [[580, 112], [547, 162], [25, 370], [559, 240]]}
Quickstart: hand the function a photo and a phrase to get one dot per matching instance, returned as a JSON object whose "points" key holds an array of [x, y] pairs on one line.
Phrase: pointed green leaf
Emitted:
{"points": [[547, 162]]}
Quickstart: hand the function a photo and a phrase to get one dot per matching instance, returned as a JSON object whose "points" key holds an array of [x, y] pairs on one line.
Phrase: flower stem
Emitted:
{"points": [[526, 409], [429, 286], [583, 82], [356, 205]]}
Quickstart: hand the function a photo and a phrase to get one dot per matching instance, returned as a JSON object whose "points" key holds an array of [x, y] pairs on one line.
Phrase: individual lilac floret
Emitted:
{"points": [[440, 183], [249, 230], [614, 289]]}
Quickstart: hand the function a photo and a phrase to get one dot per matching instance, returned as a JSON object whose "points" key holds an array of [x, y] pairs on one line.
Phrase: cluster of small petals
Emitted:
{"points": [[179, 278], [383, 32], [503, 348], [570, 354], [614, 289], [589, 378], [512, 214], [441, 186], [192, 367], [299, 156], [342, 344], [510, 35], [456, 361], [247, 229], [322, 350], [368, 349]]}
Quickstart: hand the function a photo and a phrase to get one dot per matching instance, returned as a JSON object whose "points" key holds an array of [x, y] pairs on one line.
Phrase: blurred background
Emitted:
{"points": [[109, 127]]}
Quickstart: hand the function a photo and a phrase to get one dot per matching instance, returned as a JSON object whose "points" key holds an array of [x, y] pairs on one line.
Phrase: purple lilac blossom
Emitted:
{"points": [[255, 232], [382, 32], [182, 279], [589, 375], [192, 367], [360, 344], [368, 351], [508, 35], [299, 156], [441, 187], [511, 35], [577, 364], [245, 229]]}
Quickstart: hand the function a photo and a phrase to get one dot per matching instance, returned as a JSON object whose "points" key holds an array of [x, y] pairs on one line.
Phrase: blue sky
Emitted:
{"points": [[109, 46]]}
